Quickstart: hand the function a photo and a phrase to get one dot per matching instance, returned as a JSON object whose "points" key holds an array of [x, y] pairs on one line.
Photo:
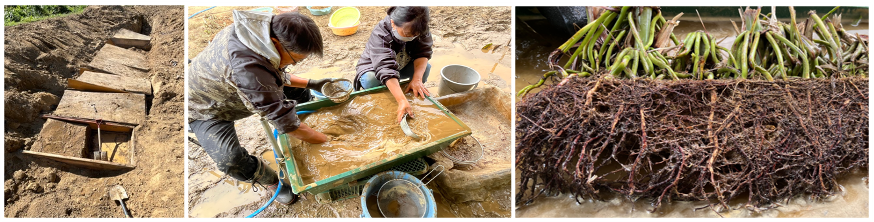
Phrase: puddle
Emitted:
{"points": [[533, 46], [227, 194], [853, 203]]}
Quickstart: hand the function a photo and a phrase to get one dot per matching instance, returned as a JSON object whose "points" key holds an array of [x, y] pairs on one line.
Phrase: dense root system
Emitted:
{"points": [[761, 142]]}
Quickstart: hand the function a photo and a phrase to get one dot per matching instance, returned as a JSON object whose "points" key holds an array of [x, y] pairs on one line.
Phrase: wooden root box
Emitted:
{"points": [[119, 140]]}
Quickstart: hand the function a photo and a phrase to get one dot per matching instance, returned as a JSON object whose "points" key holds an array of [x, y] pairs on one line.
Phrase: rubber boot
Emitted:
{"points": [[269, 180]]}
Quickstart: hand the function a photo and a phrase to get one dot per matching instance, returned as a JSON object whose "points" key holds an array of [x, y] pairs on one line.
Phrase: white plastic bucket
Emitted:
{"points": [[456, 79]]}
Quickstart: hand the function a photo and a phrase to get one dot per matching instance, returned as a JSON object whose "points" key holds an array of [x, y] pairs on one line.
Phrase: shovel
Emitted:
{"points": [[117, 193]]}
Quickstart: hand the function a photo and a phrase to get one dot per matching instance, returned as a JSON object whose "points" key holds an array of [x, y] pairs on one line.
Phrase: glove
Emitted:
{"points": [[316, 84]]}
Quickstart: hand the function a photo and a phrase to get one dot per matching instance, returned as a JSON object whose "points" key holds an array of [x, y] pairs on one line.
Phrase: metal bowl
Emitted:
{"points": [[338, 90], [401, 198]]}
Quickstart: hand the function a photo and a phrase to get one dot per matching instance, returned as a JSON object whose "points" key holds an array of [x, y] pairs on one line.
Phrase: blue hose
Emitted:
{"points": [[305, 112], [276, 157], [192, 16], [278, 189]]}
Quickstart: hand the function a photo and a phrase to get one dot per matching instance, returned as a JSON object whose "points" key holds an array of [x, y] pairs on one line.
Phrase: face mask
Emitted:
{"points": [[405, 39]]}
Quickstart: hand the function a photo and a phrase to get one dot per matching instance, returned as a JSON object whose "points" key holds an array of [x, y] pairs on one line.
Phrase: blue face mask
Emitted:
{"points": [[398, 36]]}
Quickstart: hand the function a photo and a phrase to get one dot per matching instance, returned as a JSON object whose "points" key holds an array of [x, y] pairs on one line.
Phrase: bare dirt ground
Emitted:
{"points": [[40, 56], [459, 34]]}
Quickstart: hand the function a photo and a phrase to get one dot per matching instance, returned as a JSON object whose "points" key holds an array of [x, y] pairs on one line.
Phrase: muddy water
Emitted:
{"points": [[532, 50], [226, 194], [400, 198], [533, 45], [365, 130], [851, 203]]}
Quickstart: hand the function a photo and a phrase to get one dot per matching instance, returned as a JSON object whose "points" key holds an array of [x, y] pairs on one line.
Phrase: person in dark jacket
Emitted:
{"points": [[399, 47], [239, 74]]}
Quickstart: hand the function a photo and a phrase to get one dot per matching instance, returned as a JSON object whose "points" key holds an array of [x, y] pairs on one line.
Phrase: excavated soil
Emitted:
{"points": [[459, 35], [39, 57]]}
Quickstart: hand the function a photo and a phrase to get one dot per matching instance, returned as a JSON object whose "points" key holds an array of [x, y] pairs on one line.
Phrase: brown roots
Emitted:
{"points": [[713, 140]]}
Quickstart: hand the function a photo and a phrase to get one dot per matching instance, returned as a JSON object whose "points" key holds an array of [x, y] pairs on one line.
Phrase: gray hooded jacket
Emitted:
{"points": [[238, 75], [385, 55]]}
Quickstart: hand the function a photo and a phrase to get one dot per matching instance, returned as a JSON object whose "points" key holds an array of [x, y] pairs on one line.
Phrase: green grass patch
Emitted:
{"points": [[18, 14]]}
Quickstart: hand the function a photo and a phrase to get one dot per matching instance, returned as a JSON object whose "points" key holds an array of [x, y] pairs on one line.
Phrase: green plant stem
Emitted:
{"points": [[805, 73], [779, 54]]}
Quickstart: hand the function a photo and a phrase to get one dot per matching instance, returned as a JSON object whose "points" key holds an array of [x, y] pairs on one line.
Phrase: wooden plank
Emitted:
{"points": [[127, 38], [88, 163], [116, 107], [62, 138], [119, 61], [102, 82], [112, 128], [84, 86], [92, 124]]}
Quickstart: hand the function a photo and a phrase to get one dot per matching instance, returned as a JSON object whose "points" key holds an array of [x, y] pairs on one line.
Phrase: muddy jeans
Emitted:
{"points": [[219, 139], [368, 80]]}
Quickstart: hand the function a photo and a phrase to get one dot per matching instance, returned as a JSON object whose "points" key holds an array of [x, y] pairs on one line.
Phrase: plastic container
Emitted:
{"points": [[284, 9], [371, 189], [344, 31], [323, 11], [345, 21], [264, 9], [457, 78]]}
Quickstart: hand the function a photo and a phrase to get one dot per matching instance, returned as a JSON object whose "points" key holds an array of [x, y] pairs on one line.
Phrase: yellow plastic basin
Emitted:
{"points": [[345, 21]]}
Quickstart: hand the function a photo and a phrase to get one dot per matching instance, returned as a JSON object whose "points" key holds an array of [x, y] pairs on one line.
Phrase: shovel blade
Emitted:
{"points": [[117, 193]]}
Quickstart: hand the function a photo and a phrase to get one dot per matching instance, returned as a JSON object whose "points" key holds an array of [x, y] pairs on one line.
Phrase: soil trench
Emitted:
{"points": [[40, 57]]}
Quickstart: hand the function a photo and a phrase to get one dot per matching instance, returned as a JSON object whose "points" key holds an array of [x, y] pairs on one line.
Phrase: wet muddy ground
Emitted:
{"points": [[535, 42], [459, 34]]}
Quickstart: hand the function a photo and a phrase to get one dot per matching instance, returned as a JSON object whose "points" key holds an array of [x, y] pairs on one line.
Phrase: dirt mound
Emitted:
{"points": [[714, 141], [40, 56]]}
